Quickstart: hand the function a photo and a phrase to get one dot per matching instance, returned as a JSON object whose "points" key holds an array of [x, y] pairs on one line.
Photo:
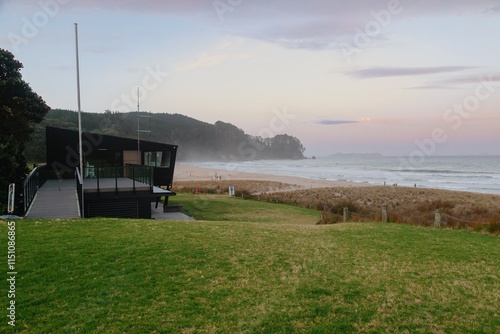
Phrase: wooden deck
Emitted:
{"points": [[55, 199], [58, 198]]}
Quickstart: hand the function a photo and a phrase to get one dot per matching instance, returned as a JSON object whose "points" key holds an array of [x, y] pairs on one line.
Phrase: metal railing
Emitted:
{"points": [[140, 173], [137, 173], [31, 184]]}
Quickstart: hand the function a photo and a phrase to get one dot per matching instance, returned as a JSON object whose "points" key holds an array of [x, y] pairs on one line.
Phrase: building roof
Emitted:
{"points": [[56, 136]]}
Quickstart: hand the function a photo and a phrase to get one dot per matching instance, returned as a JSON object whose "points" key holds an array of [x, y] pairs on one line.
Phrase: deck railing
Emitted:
{"points": [[137, 173], [31, 184]]}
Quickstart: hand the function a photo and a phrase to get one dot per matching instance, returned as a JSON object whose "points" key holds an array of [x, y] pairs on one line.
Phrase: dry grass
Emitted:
{"points": [[241, 186], [404, 205]]}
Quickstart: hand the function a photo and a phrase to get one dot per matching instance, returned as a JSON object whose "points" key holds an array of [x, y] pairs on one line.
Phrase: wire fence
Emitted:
{"points": [[436, 219], [457, 219], [349, 211]]}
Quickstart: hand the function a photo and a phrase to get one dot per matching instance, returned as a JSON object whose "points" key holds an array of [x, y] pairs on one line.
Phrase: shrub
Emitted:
{"points": [[494, 224], [338, 206], [328, 217], [435, 204]]}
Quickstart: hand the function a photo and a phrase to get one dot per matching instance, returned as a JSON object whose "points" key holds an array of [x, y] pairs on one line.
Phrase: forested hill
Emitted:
{"points": [[198, 141]]}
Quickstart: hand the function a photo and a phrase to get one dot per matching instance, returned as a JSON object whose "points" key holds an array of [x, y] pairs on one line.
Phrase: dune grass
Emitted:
{"points": [[406, 205], [271, 271]]}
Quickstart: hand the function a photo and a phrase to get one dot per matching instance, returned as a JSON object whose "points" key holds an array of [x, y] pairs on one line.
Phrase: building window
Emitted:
{"points": [[104, 157], [157, 158]]}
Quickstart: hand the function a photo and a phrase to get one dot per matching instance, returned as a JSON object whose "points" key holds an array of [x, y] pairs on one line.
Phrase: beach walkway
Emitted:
{"points": [[158, 214], [55, 199]]}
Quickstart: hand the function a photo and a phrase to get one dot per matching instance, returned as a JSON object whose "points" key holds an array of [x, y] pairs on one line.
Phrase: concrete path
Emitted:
{"points": [[55, 199], [158, 214]]}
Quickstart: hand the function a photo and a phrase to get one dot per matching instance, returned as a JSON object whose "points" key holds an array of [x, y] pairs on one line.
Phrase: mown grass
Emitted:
{"points": [[225, 208], [268, 273]]}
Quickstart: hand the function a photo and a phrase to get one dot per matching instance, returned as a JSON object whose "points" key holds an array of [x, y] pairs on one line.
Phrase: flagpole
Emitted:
{"points": [[79, 116]]}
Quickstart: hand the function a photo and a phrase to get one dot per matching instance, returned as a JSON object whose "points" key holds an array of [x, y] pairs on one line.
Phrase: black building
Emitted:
{"points": [[120, 177]]}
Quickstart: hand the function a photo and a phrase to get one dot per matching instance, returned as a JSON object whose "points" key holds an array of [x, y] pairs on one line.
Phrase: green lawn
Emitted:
{"points": [[250, 267], [225, 208]]}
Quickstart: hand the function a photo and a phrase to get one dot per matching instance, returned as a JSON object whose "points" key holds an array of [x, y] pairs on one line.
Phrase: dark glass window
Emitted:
{"points": [[104, 157], [157, 158]]}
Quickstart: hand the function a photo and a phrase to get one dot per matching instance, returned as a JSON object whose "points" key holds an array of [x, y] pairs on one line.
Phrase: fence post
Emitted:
{"points": [[437, 219], [384, 214], [346, 210]]}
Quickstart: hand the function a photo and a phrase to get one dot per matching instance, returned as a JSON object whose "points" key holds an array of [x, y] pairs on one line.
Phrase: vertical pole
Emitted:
{"points": [[346, 210], [133, 176], [384, 214], [437, 219], [11, 199], [97, 179], [79, 116], [138, 131], [116, 179]]}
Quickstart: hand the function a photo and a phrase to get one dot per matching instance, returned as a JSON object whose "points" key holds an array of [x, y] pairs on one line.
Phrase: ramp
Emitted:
{"points": [[55, 199]]}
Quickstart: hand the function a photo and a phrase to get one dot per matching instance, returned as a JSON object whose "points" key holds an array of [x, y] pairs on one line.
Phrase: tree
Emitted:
{"points": [[197, 140], [20, 109]]}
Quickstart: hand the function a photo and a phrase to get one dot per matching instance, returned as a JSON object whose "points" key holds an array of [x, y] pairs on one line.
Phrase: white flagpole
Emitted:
{"points": [[79, 116]]}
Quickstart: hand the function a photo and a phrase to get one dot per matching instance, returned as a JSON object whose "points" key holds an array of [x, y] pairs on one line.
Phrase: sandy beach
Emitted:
{"points": [[404, 204], [194, 173]]}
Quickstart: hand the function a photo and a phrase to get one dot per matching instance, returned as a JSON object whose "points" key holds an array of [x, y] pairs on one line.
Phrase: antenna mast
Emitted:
{"points": [[139, 130]]}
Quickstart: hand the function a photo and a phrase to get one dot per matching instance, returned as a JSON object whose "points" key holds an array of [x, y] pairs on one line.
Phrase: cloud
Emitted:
{"points": [[490, 77], [299, 8], [315, 24], [335, 122], [455, 83], [423, 87], [381, 72], [302, 32], [324, 25], [493, 10], [158, 7]]}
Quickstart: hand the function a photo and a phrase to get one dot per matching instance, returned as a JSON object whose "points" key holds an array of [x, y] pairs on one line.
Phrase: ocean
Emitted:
{"points": [[464, 173]]}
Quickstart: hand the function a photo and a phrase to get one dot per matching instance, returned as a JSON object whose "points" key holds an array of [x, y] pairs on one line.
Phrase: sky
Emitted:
{"points": [[412, 78]]}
